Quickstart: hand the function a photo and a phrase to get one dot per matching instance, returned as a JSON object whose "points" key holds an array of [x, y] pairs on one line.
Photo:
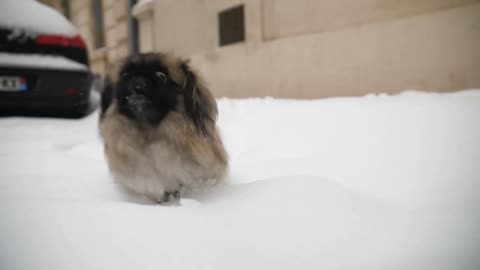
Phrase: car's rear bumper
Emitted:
{"points": [[48, 89], [45, 104]]}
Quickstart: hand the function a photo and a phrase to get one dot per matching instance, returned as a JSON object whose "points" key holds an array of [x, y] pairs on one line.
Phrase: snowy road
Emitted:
{"points": [[379, 182]]}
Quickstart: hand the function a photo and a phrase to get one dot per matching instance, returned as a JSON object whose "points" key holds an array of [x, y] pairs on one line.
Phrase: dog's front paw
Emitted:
{"points": [[168, 197], [175, 195]]}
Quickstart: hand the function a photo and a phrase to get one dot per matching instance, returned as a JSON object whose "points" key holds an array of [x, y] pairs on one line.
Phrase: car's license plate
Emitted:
{"points": [[13, 84]]}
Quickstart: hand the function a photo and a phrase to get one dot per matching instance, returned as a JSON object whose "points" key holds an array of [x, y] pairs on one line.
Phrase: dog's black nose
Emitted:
{"points": [[138, 85], [138, 89]]}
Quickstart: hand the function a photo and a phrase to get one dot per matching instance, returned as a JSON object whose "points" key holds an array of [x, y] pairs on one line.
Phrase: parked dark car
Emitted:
{"points": [[43, 60]]}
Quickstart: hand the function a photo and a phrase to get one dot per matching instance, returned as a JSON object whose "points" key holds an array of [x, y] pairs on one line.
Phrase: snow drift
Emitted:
{"points": [[379, 182]]}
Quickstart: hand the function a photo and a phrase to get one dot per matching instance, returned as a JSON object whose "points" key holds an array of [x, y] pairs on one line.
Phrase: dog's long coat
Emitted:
{"points": [[183, 148]]}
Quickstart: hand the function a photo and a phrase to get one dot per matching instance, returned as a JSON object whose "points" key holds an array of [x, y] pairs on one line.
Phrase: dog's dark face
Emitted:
{"points": [[151, 85], [146, 92]]}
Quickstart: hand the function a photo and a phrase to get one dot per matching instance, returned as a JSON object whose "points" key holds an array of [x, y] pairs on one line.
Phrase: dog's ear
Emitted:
{"points": [[107, 95], [200, 105]]}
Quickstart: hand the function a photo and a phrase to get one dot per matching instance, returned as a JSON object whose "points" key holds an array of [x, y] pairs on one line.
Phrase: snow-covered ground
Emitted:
{"points": [[379, 182]]}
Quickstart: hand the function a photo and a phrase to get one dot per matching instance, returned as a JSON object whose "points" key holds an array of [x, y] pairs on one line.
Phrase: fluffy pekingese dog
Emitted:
{"points": [[158, 122]]}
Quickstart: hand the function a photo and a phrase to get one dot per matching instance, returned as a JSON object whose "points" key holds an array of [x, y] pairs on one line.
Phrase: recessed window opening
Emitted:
{"points": [[231, 24]]}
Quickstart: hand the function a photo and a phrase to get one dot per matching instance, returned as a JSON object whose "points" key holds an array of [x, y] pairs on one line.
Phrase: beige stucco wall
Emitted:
{"points": [[147, 42], [145, 18], [190, 26], [285, 18], [312, 49], [116, 36]]}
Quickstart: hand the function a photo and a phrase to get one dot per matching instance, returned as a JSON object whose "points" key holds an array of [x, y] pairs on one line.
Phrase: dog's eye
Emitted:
{"points": [[161, 76], [126, 75]]}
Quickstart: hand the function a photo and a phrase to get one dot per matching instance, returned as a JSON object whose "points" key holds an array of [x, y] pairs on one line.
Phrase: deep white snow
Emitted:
{"points": [[40, 61], [379, 182], [34, 16]]}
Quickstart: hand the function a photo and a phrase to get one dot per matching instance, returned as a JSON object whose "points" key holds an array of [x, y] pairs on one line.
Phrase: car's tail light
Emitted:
{"points": [[61, 40], [72, 91]]}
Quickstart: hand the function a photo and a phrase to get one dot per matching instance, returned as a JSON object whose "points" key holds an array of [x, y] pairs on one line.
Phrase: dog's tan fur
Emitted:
{"points": [[157, 160]]}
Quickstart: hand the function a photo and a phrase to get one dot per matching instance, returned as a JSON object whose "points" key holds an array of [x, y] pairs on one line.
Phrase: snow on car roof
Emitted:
{"points": [[34, 16], [40, 61]]}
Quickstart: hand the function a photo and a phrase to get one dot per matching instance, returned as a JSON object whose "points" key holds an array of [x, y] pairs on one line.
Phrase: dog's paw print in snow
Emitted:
{"points": [[64, 147], [88, 150]]}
